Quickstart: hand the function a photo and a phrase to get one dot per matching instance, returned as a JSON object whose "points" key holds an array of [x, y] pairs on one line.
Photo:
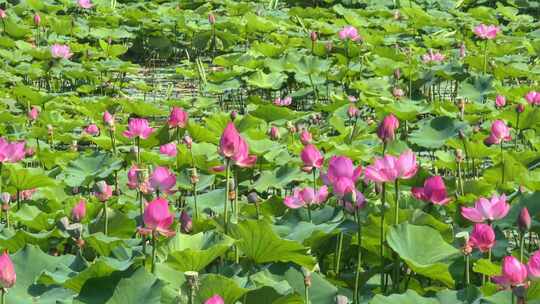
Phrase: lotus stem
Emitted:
{"points": [[225, 211], [3, 296], [154, 250], [381, 242], [396, 222], [105, 218], [356, 296], [339, 248], [521, 246], [235, 195], [18, 200], [467, 270], [502, 163], [485, 57]]}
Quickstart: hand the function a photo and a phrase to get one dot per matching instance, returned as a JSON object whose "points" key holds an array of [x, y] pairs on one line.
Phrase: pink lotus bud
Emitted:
{"points": [[33, 113], [233, 115], [524, 219], [483, 31], [108, 119], [520, 108], [37, 19], [387, 128], [482, 237], [79, 211], [92, 129], [162, 180], [186, 224], [157, 218], [328, 46], [211, 18], [8, 277], [6, 197], [514, 273], [3, 14], [274, 133], [499, 133], [500, 101], [305, 137], [138, 127], [86, 4], [311, 157], [187, 141], [215, 299], [313, 36], [178, 118], [397, 93], [533, 98], [352, 111], [103, 191], [168, 149], [487, 210]]}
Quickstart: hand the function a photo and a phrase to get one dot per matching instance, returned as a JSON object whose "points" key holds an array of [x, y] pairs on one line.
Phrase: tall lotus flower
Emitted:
{"points": [[138, 127], [500, 101], [485, 32], [524, 220], [37, 19], [33, 113], [178, 118], [92, 129], [431, 57], [387, 128], [229, 141], [306, 197], [61, 51], [487, 210], [108, 119], [157, 218], [514, 273], [341, 174], [168, 149], [162, 180], [434, 191], [499, 133], [11, 152], [311, 157], [349, 33], [86, 4], [8, 277], [482, 237], [79, 211], [533, 97], [305, 137], [383, 170], [103, 191], [215, 299], [406, 165], [533, 266]]}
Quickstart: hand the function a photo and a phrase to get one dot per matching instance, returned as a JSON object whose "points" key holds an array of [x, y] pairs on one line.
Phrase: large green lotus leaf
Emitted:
{"points": [[486, 267], [256, 23], [140, 287], [259, 243], [214, 284], [280, 177], [409, 297], [11, 240], [194, 252], [266, 81], [102, 243], [477, 90], [33, 218], [29, 263], [86, 168], [434, 132], [272, 113], [28, 178], [424, 250], [463, 296], [120, 224]]}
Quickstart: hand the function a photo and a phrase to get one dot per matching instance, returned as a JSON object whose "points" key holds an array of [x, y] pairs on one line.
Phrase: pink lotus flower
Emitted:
{"points": [[233, 146], [79, 211], [305, 137], [133, 177], [26, 195], [311, 157], [533, 97], [482, 237], [61, 51], [306, 197], [162, 180], [487, 210], [215, 299], [138, 127], [283, 102], [211, 18], [533, 266], [524, 219], [186, 223], [92, 129], [108, 119], [432, 57], [352, 111], [383, 170], [8, 277], [397, 93], [168, 149], [483, 31], [499, 133], [11, 152], [86, 4], [352, 98], [33, 113], [188, 141], [500, 101], [37, 19], [353, 201], [157, 219], [514, 273], [434, 191], [387, 128], [178, 118], [103, 191], [341, 174], [406, 165], [242, 158], [349, 32], [274, 133], [3, 14]]}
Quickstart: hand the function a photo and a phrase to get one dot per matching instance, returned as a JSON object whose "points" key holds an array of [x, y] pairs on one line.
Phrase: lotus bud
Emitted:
{"points": [[234, 114], [211, 18], [307, 277], [186, 223], [397, 73], [50, 130], [74, 146], [188, 141], [520, 108], [313, 36], [341, 299], [194, 176], [524, 220], [352, 111], [398, 93], [8, 277], [37, 19], [80, 242], [253, 198], [274, 133], [3, 14], [459, 155], [6, 197]]}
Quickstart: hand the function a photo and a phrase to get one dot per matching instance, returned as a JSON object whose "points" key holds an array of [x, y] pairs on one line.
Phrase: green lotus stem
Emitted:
{"points": [[460, 178], [113, 140], [339, 248], [356, 297], [485, 57], [314, 88], [521, 246], [154, 250], [3, 289], [502, 163], [467, 269], [225, 211], [396, 222], [381, 243], [235, 195], [306, 294], [314, 171], [517, 132], [18, 200], [106, 218]]}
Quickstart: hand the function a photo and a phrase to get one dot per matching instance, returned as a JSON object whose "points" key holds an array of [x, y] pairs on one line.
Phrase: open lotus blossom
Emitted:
{"points": [[11, 152], [283, 102], [311, 157], [138, 127], [33, 113], [233, 147], [103, 191], [215, 299], [533, 97], [86, 4], [157, 218], [108, 119], [514, 273], [387, 128], [406, 165], [305, 137], [482, 237], [499, 133], [524, 220], [382, 170], [61, 51], [483, 31], [434, 191], [306, 197], [533, 266], [92, 129], [500, 101], [168, 149], [178, 118], [79, 211], [433, 57], [162, 180], [8, 277], [487, 210], [341, 175], [349, 33]]}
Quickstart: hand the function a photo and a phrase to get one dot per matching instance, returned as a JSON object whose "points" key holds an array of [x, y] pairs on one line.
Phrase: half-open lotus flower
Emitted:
{"points": [[92, 129], [482, 237], [162, 180], [499, 133], [311, 157], [138, 127], [233, 147], [11, 152], [533, 97], [215, 299], [341, 174], [434, 191], [305, 197], [168, 149], [8, 277], [103, 191], [349, 32], [383, 170], [533, 266], [483, 31], [514, 273], [61, 51], [487, 210], [178, 118], [157, 218]]}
